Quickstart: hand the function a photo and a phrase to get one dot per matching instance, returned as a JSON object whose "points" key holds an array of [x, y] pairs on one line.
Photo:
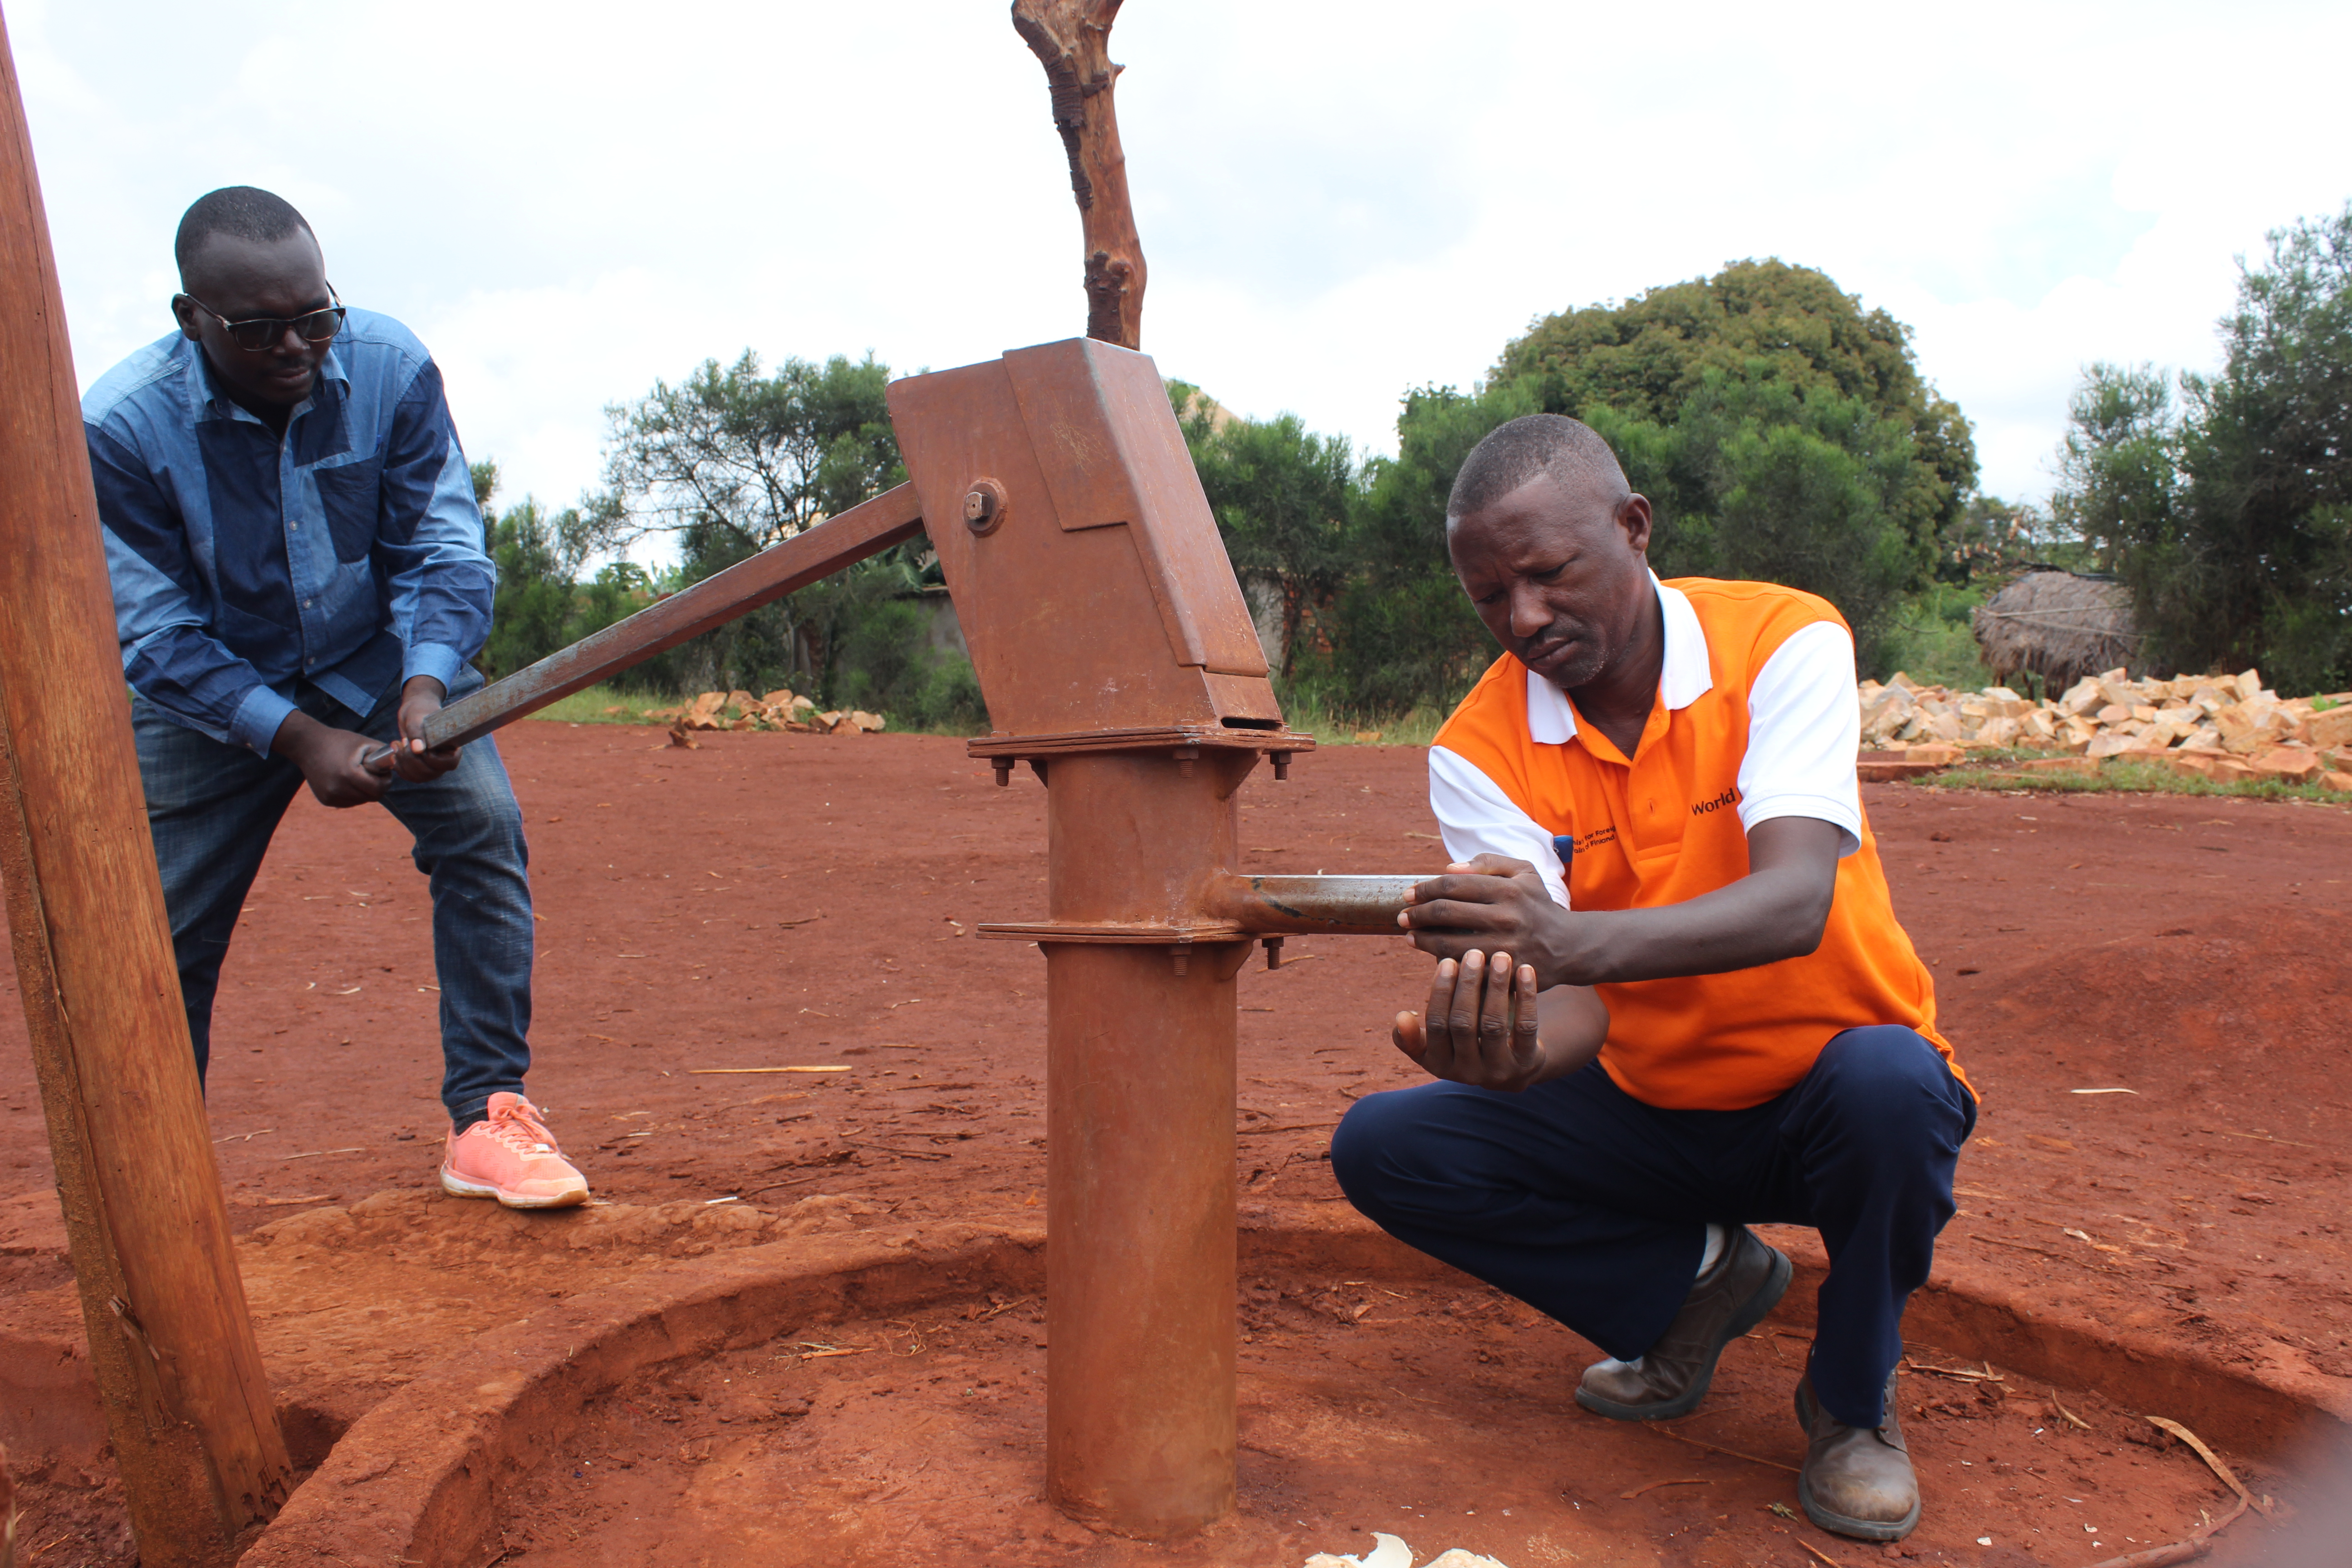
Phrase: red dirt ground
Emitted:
{"points": [[778, 899]]}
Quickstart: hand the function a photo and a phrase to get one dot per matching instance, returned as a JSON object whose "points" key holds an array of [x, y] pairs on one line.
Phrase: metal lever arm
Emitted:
{"points": [[890, 518]]}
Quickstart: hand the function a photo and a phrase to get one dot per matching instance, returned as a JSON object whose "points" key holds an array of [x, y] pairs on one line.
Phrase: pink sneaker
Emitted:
{"points": [[511, 1157]]}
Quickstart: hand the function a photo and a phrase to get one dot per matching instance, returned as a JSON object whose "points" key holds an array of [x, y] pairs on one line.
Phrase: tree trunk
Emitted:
{"points": [[171, 1343], [1269, 611], [1072, 39]]}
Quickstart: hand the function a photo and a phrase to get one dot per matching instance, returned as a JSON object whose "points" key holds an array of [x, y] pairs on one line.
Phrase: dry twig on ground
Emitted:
{"points": [[2200, 1541]]}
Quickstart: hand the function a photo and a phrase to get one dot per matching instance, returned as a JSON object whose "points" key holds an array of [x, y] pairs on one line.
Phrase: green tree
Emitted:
{"points": [[1282, 496], [1779, 430], [533, 612], [2118, 491], [2230, 513], [1755, 322], [1756, 319], [1404, 634], [731, 460], [1797, 508], [735, 459], [619, 590], [2265, 539]]}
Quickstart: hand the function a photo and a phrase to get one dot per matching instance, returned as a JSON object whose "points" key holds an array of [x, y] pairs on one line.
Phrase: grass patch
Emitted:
{"points": [[2130, 778], [589, 706], [1305, 711]]}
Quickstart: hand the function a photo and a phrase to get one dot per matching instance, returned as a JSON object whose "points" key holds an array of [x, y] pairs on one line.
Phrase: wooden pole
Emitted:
{"points": [[1072, 39], [170, 1339]]}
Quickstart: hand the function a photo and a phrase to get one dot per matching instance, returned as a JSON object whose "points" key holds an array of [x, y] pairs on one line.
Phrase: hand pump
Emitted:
{"points": [[1120, 666]]}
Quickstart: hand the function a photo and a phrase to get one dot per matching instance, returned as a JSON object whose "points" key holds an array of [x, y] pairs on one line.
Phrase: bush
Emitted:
{"points": [[886, 665], [1931, 639]]}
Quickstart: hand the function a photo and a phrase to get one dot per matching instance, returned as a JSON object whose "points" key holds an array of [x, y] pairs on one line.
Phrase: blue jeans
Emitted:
{"points": [[1592, 1207], [213, 808]]}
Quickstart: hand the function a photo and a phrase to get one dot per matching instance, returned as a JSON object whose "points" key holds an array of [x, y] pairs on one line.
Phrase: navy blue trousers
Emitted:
{"points": [[1592, 1206]]}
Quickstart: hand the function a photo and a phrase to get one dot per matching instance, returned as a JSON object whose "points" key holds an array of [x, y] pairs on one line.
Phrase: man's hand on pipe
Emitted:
{"points": [[346, 770], [336, 763], [1491, 904], [1488, 1026], [420, 699]]}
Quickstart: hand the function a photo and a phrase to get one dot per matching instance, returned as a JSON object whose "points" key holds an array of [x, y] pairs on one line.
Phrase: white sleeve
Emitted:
{"points": [[1804, 729], [1475, 817]]}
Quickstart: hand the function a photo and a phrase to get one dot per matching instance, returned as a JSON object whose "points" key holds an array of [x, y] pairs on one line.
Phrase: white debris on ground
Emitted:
{"points": [[2216, 726], [1390, 1551]]}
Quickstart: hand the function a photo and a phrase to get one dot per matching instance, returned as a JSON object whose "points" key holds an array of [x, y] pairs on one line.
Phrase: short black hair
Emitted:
{"points": [[1525, 448], [241, 211]]}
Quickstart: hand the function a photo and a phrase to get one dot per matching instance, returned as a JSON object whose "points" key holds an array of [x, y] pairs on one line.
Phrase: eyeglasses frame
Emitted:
{"points": [[338, 310]]}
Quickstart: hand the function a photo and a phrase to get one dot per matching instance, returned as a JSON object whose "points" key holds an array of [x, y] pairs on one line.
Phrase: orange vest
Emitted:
{"points": [[1662, 829]]}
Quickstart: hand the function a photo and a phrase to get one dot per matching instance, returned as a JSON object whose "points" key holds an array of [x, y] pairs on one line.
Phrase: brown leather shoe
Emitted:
{"points": [[1672, 1377], [1857, 1480]]}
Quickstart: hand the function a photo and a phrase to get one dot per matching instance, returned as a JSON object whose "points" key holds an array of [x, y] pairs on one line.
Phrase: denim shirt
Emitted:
{"points": [[348, 552]]}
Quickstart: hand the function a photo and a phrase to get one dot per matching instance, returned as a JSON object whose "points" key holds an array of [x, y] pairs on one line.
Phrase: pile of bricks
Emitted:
{"points": [[2218, 727], [777, 710]]}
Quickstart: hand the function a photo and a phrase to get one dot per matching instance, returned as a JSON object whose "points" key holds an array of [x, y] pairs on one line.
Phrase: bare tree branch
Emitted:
{"points": [[1072, 39]]}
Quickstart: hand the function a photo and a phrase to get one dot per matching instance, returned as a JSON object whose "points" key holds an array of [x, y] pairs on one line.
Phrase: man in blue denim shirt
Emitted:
{"points": [[299, 579]]}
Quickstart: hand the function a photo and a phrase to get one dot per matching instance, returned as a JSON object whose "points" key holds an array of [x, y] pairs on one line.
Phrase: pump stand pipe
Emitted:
{"points": [[1147, 935]]}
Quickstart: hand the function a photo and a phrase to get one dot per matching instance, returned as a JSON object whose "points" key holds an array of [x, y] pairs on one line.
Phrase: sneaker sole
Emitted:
{"points": [[1767, 1296], [1838, 1523], [458, 1187]]}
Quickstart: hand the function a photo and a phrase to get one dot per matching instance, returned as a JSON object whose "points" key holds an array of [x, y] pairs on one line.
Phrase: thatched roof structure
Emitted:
{"points": [[2059, 626]]}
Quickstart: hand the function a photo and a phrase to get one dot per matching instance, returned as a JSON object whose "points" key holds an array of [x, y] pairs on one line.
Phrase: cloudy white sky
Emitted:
{"points": [[1337, 201]]}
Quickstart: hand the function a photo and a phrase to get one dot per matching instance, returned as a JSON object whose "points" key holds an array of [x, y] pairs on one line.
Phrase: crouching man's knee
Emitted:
{"points": [[1394, 1157], [1890, 1084], [1357, 1147]]}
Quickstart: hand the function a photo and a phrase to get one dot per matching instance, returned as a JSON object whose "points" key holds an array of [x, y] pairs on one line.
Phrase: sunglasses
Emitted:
{"points": [[264, 333]]}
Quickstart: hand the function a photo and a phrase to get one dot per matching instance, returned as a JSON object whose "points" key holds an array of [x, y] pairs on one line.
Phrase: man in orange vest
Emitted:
{"points": [[1671, 997]]}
